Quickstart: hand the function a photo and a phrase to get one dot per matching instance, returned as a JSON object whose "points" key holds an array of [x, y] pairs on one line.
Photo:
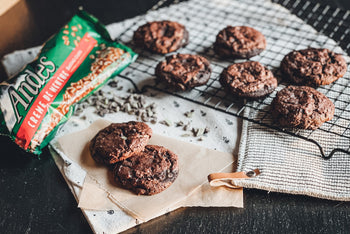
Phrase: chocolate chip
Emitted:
{"points": [[189, 114], [226, 140], [179, 124], [229, 122]]}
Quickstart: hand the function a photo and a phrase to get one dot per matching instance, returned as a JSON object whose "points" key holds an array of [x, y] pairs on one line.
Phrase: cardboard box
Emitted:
{"points": [[16, 27], [29, 23]]}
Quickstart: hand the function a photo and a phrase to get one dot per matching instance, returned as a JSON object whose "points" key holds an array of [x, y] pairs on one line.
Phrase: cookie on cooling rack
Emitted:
{"points": [[184, 71], [313, 66], [302, 107], [119, 141], [148, 172], [161, 36], [239, 42], [248, 79]]}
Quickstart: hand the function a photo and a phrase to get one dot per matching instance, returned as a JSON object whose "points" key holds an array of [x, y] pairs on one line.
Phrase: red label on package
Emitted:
{"points": [[48, 94]]}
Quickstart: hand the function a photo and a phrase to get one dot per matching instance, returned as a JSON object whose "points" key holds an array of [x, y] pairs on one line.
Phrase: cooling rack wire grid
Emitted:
{"points": [[321, 26]]}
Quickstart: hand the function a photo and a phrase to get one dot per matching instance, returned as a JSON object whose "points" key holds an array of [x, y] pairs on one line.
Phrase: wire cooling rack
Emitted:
{"points": [[284, 32]]}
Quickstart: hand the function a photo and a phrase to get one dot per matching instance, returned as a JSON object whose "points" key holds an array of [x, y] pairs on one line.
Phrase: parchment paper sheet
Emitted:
{"points": [[195, 164], [93, 197]]}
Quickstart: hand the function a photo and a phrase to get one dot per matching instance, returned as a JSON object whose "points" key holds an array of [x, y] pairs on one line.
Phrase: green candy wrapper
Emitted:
{"points": [[72, 64]]}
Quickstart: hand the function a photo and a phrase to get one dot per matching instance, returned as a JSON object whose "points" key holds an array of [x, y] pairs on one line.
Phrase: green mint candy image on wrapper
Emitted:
{"points": [[72, 64]]}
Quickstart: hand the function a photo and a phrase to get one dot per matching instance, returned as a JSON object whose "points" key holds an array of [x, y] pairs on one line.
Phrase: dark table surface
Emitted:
{"points": [[34, 197]]}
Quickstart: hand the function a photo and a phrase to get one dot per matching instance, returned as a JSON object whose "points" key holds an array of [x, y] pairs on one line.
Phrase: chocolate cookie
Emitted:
{"points": [[184, 71], [161, 36], [313, 67], [302, 107], [119, 141], [248, 79], [239, 42], [148, 172]]}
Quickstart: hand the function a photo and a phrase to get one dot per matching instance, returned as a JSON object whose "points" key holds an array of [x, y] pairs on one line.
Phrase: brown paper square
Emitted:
{"points": [[195, 164]]}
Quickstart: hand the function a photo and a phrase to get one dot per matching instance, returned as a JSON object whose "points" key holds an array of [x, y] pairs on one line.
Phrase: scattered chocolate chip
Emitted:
{"points": [[133, 104], [200, 131], [226, 140], [187, 126], [169, 123], [229, 122], [195, 131], [179, 124], [189, 114], [176, 104], [113, 84], [127, 107]]}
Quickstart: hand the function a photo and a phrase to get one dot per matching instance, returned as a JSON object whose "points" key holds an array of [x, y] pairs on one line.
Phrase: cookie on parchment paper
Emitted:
{"points": [[119, 141], [148, 172]]}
